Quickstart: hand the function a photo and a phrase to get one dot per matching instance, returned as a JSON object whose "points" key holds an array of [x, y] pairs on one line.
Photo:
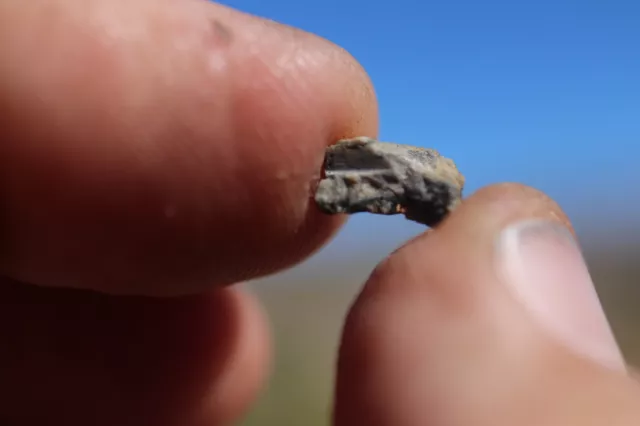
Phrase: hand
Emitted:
{"points": [[490, 320], [154, 148], [168, 148]]}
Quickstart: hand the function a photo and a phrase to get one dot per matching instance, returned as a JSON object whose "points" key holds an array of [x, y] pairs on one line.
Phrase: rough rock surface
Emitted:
{"points": [[365, 175]]}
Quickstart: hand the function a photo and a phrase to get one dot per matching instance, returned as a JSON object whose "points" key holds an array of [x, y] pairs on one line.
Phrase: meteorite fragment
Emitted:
{"points": [[365, 175]]}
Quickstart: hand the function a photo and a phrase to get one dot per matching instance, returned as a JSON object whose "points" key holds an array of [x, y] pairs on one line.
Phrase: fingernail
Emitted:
{"points": [[543, 265]]}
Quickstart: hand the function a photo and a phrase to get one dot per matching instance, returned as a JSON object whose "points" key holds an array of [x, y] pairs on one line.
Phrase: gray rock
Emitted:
{"points": [[365, 175]]}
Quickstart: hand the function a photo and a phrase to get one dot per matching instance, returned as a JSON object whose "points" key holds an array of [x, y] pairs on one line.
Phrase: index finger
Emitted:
{"points": [[163, 147]]}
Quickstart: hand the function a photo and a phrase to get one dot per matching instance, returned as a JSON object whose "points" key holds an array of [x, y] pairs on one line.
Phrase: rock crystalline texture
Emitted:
{"points": [[365, 175]]}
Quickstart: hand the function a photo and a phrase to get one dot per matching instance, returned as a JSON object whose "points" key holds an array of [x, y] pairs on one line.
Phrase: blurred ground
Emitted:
{"points": [[307, 305]]}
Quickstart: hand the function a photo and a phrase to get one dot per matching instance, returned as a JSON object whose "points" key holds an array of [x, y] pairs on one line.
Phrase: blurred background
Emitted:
{"points": [[545, 93]]}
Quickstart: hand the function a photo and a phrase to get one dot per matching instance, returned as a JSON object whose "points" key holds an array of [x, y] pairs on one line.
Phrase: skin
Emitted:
{"points": [[169, 148]]}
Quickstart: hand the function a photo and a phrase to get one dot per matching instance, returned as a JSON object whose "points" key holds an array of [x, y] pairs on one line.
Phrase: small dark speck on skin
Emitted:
{"points": [[221, 33]]}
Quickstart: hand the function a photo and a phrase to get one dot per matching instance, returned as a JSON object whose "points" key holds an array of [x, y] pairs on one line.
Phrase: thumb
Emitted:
{"points": [[492, 319]]}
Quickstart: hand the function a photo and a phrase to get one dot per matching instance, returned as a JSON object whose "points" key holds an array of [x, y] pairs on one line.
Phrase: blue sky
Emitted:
{"points": [[546, 93]]}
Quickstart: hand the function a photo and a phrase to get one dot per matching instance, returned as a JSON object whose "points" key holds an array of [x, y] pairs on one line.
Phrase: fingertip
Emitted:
{"points": [[434, 319], [494, 206], [244, 375], [175, 147]]}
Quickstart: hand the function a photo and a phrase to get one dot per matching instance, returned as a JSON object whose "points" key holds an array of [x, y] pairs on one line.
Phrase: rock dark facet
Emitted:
{"points": [[365, 175]]}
